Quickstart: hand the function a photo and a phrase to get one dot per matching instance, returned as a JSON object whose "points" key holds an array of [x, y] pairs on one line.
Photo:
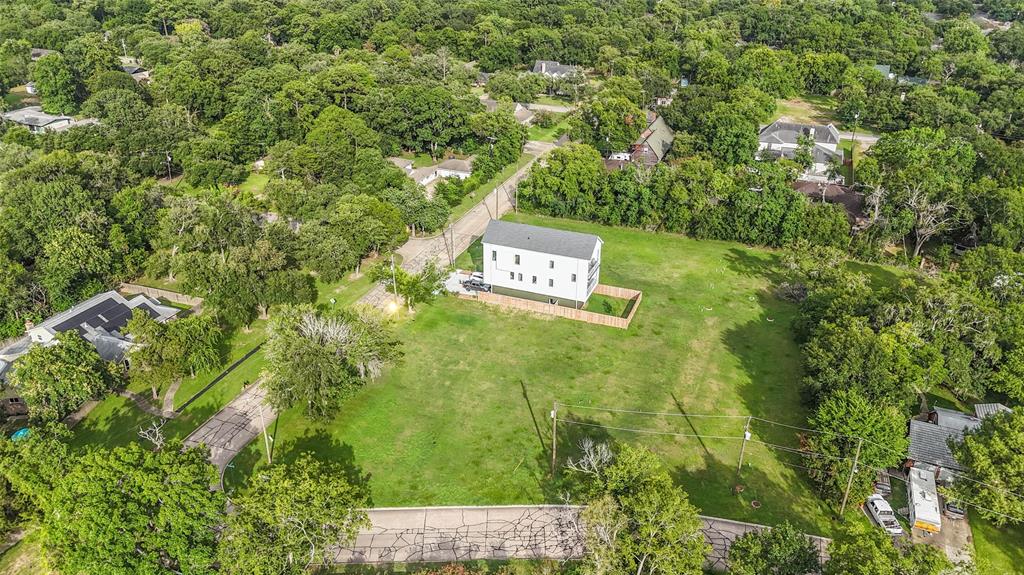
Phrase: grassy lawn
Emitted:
{"points": [[811, 109], [552, 100], [255, 183], [997, 550], [538, 134], [473, 198], [25, 558], [608, 305], [463, 417], [18, 97], [420, 160]]}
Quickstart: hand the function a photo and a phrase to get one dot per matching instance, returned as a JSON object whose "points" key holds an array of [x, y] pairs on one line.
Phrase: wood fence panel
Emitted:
{"points": [[556, 310], [162, 293]]}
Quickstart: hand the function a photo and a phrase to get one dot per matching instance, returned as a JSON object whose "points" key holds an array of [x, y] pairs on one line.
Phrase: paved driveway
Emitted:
{"points": [[233, 427]]}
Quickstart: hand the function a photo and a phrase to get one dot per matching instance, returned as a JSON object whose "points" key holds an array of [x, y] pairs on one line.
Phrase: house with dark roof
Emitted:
{"points": [[653, 144], [541, 264], [554, 69], [782, 140], [930, 439]]}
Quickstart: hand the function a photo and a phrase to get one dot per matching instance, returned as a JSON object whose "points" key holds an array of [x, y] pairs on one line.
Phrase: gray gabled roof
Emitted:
{"points": [[552, 68], [929, 443], [34, 116], [542, 240], [780, 132], [658, 136], [983, 410]]}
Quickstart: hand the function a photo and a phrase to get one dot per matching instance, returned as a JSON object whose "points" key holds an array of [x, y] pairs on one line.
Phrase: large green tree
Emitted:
{"points": [[290, 518], [56, 379], [781, 550], [132, 511], [993, 456]]}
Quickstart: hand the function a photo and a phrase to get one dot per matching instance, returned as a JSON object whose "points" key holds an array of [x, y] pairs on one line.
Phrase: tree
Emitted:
{"points": [[993, 455], [414, 288], [128, 511], [56, 84], [638, 520], [781, 550], [729, 136], [165, 352], [610, 123], [290, 518], [863, 549], [843, 420], [317, 359], [56, 379]]}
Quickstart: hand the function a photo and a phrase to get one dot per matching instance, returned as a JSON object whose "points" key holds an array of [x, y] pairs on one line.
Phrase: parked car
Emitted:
{"points": [[954, 510], [879, 510], [476, 284]]}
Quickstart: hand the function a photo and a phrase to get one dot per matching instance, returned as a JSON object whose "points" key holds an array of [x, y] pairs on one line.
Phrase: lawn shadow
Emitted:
{"points": [[340, 458], [763, 265]]}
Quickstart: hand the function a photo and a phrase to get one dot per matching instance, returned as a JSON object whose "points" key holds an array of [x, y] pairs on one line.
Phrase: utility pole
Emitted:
{"points": [[554, 436], [266, 438], [743, 446], [849, 482], [394, 280], [853, 150]]}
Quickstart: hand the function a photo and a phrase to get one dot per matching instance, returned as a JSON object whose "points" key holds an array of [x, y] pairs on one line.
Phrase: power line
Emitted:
{"points": [[647, 431]]}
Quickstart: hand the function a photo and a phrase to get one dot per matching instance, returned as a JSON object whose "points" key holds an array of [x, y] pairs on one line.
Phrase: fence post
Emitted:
{"points": [[849, 482], [554, 437]]}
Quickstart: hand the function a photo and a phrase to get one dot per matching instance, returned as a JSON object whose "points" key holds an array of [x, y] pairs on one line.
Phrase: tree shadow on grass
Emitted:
{"points": [[339, 457], [765, 265], [569, 438]]}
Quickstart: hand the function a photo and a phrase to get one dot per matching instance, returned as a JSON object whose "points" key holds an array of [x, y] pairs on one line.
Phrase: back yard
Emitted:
{"points": [[463, 419]]}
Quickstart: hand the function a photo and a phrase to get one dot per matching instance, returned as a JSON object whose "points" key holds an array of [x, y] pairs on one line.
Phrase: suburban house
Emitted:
{"points": [[37, 121], [455, 168], [450, 168], [98, 320], [522, 114], [138, 73], [541, 264], [782, 140], [929, 440], [649, 148], [553, 69]]}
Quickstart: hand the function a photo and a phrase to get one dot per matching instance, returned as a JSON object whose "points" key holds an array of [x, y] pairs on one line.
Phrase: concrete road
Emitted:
{"points": [[446, 534], [233, 427], [418, 251]]}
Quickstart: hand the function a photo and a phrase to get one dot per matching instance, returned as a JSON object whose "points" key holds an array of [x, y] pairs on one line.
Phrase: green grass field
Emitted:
{"points": [[463, 418], [536, 133], [997, 550]]}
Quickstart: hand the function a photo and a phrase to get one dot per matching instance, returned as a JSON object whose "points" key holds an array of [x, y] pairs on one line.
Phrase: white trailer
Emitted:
{"points": [[924, 499]]}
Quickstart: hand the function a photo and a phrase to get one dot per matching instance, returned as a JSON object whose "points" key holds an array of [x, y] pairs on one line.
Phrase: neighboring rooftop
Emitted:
{"points": [[789, 133], [34, 116], [929, 443], [954, 419], [983, 410], [107, 311], [38, 53], [542, 240], [552, 68], [658, 136], [456, 165]]}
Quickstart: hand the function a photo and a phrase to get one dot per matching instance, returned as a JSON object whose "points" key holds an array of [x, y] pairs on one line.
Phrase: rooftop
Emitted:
{"points": [[542, 240], [658, 136], [929, 443], [983, 410], [456, 165], [107, 311], [34, 116], [552, 68], [780, 132]]}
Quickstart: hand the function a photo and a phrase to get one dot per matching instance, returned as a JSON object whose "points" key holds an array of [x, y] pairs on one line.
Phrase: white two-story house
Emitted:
{"points": [[541, 264]]}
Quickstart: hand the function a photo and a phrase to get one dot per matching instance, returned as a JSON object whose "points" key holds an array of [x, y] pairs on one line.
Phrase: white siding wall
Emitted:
{"points": [[500, 270]]}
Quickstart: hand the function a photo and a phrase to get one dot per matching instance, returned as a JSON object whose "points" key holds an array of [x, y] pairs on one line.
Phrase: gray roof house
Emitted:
{"points": [[37, 53], [38, 121], [98, 320], [654, 142], [540, 239], [554, 69], [782, 140], [930, 440]]}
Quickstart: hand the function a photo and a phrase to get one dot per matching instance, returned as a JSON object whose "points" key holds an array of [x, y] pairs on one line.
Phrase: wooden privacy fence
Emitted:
{"points": [[509, 302], [168, 295]]}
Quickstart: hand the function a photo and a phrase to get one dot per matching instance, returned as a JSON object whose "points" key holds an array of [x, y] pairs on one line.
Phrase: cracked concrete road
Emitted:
{"points": [[233, 427]]}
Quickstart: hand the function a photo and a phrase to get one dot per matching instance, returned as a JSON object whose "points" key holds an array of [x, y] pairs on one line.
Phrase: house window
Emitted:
{"points": [[517, 259], [520, 275], [534, 280], [511, 275], [551, 283], [494, 255], [551, 264], [573, 278]]}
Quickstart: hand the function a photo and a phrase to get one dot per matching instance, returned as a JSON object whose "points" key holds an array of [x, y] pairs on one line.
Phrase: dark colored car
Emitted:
{"points": [[476, 284], [954, 510]]}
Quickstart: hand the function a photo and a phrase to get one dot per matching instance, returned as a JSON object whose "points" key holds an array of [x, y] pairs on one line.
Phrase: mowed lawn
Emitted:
{"points": [[463, 419]]}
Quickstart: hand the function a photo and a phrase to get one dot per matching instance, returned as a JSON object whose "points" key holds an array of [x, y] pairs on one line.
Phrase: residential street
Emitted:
{"points": [[445, 534]]}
